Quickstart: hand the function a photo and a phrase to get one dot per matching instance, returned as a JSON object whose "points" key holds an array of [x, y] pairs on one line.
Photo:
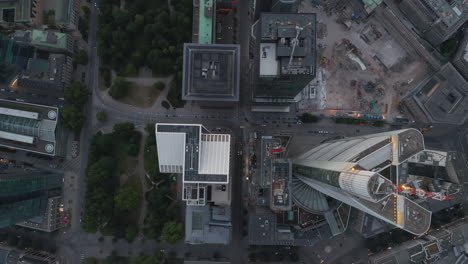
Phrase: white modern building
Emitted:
{"points": [[363, 172], [203, 160], [200, 156]]}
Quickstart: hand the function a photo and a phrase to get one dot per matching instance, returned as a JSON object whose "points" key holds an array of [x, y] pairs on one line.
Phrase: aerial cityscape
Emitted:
{"points": [[233, 131]]}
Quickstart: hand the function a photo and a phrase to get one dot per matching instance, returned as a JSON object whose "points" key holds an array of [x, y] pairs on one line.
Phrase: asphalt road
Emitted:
{"points": [[75, 242]]}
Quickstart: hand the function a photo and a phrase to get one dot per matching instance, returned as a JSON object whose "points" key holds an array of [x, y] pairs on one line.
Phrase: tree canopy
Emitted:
{"points": [[146, 33], [127, 198], [76, 93], [172, 232], [449, 46], [309, 118], [72, 117], [119, 88], [81, 57]]}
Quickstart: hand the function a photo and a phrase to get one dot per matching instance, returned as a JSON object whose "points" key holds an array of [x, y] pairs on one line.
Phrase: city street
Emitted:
{"points": [[72, 243]]}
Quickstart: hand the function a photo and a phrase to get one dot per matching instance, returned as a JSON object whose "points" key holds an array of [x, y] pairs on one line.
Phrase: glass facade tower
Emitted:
{"points": [[25, 195]]}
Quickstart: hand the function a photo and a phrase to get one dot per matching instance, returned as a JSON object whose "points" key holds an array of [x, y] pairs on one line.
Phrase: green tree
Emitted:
{"points": [[100, 171], [174, 96], [132, 150], [86, 11], [131, 233], [106, 76], [119, 88], [76, 93], [101, 116], [172, 232], [449, 46], [159, 86], [72, 117], [165, 104], [81, 57], [130, 70], [126, 199], [124, 130], [309, 118]]}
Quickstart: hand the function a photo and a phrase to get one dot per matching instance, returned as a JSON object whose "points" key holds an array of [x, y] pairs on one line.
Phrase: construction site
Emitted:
{"points": [[361, 69]]}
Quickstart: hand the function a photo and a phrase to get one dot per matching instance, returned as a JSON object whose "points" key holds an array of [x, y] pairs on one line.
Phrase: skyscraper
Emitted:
{"points": [[24, 195], [362, 172]]}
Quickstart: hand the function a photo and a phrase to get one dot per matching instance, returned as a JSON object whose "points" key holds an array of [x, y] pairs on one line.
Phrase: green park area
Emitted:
{"points": [[113, 189], [76, 94], [115, 193], [144, 34]]}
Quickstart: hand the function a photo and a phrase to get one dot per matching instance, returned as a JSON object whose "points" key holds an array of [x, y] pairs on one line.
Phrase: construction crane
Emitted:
{"points": [[404, 189], [294, 42], [276, 151]]}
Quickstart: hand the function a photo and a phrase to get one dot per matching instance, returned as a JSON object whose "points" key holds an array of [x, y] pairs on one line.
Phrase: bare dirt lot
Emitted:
{"points": [[364, 69]]}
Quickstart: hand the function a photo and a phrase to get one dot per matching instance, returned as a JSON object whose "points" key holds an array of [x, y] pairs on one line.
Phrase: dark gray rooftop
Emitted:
{"points": [[265, 230], [281, 29], [51, 77], [444, 96], [211, 72]]}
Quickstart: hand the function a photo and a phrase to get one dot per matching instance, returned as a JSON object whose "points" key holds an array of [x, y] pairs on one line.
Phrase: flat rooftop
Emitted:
{"points": [[444, 96], [450, 13], [201, 157], [281, 180], [47, 75], [41, 38], [267, 144], [211, 72], [207, 225], [28, 127], [264, 229], [285, 64], [205, 21], [51, 220]]}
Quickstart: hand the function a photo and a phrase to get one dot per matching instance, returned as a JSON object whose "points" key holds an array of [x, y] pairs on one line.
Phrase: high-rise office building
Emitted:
{"points": [[362, 172], [436, 20], [24, 195]]}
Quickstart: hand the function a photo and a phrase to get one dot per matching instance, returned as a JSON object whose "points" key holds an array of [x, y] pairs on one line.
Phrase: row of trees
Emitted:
{"points": [[157, 258], [145, 33], [83, 22], [309, 118], [80, 57], [76, 94], [106, 203], [174, 96]]}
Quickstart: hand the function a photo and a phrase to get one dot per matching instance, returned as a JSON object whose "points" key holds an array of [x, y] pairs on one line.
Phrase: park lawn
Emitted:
{"points": [[140, 96]]}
